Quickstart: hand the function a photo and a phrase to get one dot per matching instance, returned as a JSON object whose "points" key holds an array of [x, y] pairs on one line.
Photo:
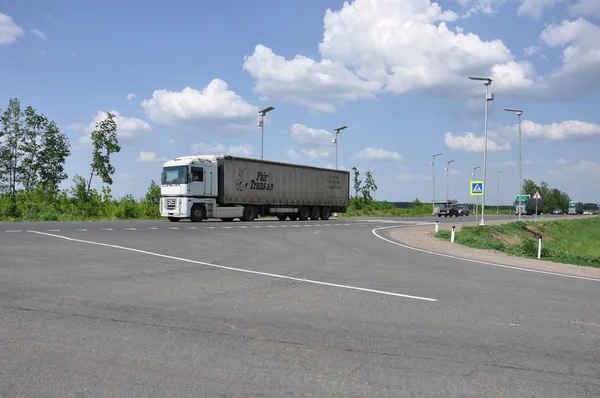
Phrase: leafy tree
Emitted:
{"points": [[11, 137], [52, 156], [369, 187], [153, 194], [105, 142], [357, 181]]}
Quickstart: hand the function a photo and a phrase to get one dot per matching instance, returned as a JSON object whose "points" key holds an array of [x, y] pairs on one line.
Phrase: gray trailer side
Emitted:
{"points": [[244, 181]]}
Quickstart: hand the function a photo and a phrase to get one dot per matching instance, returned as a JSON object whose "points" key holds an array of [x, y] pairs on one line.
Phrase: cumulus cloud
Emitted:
{"points": [[535, 8], [293, 154], [127, 127], [315, 153], [589, 168], [239, 150], [309, 135], [561, 161], [214, 108], [586, 7], [566, 130], [469, 142], [38, 33], [149, 157], [378, 154], [130, 97], [9, 30]]}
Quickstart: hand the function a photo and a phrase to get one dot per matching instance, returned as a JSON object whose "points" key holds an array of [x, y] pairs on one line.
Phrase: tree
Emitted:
{"points": [[11, 137], [529, 187], [153, 194], [357, 182], [105, 143], [369, 187], [52, 156]]}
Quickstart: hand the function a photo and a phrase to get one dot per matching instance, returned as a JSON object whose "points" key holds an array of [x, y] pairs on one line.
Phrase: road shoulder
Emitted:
{"points": [[421, 237]]}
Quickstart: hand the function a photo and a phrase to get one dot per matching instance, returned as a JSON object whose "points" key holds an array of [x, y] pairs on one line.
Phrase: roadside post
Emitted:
{"points": [[453, 233], [437, 226], [476, 189], [540, 247]]}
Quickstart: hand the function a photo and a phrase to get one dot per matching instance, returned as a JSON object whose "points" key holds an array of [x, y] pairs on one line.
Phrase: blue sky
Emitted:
{"points": [[190, 77]]}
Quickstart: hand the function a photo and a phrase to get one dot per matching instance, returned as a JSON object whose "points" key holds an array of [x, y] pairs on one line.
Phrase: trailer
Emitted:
{"points": [[575, 207], [229, 187], [528, 205]]}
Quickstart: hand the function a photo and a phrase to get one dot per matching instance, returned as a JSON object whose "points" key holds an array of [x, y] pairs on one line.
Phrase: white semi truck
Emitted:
{"points": [[229, 187]]}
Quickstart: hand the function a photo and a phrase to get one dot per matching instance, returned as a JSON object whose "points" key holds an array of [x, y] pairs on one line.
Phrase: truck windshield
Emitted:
{"points": [[174, 175]]}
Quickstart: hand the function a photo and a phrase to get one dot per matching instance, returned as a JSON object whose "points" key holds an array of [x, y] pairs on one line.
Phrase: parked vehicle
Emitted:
{"points": [[228, 187], [463, 211], [575, 207], [558, 211], [448, 210]]}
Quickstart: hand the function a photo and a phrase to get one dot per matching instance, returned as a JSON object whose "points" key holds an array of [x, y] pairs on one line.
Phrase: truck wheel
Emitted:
{"points": [[174, 219], [325, 213], [304, 213], [281, 217], [197, 213], [315, 213], [249, 213]]}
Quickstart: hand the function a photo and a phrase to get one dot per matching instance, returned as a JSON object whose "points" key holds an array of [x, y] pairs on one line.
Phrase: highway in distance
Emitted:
{"points": [[272, 308]]}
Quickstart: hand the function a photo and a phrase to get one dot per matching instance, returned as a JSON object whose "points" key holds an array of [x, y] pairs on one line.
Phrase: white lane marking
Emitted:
{"points": [[106, 229], [210, 227], [226, 227], [152, 228], [270, 226], [295, 225], [13, 230], [53, 230], [129, 229], [173, 227], [236, 269], [242, 226], [476, 261], [192, 227], [80, 229]]}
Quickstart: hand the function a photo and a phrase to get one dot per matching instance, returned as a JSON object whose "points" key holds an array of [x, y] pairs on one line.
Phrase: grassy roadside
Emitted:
{"points": [[566, 241]]}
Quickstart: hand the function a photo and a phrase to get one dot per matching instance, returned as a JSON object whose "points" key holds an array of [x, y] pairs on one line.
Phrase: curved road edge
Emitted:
{"points": [[420, 238]]}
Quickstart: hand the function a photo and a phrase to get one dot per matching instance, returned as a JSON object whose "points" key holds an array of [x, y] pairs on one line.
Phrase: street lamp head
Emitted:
{"points": [[340, 129], [487, 80], [264, 111], [518, 111], [449, 161], [434, 156]]}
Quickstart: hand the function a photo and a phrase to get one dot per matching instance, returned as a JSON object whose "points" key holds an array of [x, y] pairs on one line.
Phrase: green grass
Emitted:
{"points": [[566, 241]]}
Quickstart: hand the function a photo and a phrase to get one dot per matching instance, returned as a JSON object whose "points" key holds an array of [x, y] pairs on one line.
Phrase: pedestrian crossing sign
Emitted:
{"points": [[476, 188]]}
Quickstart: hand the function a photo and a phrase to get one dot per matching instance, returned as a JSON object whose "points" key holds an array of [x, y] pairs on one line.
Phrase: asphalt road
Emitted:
{"points": [[311, 308]]}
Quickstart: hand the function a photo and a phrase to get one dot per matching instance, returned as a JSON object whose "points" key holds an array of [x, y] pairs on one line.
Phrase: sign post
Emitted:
{"points": [[476, 189], [537, 197]]}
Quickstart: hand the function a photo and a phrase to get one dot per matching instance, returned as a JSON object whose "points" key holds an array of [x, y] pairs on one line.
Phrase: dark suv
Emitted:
{"points": [[463, 211], [448, 210]]}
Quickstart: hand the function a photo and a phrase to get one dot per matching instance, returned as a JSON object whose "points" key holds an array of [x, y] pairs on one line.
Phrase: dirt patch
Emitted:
{"points": [[535, 231], [508, 240]]}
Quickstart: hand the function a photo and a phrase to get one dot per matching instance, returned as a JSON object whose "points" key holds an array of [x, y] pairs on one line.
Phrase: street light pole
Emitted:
{"points": [[519, 112], [488, 97], [447, 184], [261, 123], [433, 185], [335, 141], [476, 197], [498, 192]]}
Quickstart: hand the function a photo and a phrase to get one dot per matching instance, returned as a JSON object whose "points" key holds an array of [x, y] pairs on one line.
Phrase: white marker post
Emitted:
{"points": [[437, 226], [453, 233], [540, 247]]}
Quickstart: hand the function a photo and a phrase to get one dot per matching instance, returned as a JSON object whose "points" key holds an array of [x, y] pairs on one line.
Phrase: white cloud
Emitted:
{"points": [[332, 166], [561, 161], [535, 8], [481, 6], [586, 7], [130, 97], [570, 129], [214, 108], [579, 72], [9, 30], [318, 85], [589, 168], [308, 135], [398, 46], [293, 154], [127, 127], [239, 150], [378, 154], [147, 157], [171, 141], [38, 33], [471, 143], [315, 153], [532, 50]]}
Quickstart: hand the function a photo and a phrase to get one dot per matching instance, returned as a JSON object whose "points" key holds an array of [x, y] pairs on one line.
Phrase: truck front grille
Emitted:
{"points": [[171, 203]]}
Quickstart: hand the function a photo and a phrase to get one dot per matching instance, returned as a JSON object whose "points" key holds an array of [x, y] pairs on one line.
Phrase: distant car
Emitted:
{"points": [[448, 210], [558, 211], [463, 211], [587, 212]]}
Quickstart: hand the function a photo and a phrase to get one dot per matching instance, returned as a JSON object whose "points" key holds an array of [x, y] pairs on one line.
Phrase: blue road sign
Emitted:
{"points": [[476, 188], [599, 205]]}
